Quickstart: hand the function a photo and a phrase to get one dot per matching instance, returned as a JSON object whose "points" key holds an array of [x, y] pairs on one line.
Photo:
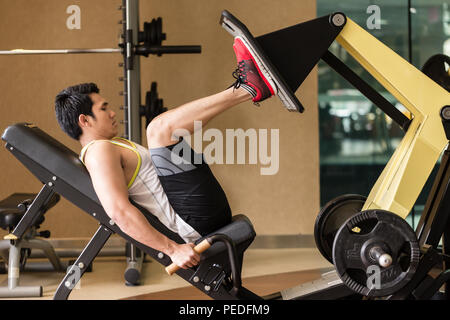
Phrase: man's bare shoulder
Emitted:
{"points": [[100, 153]]}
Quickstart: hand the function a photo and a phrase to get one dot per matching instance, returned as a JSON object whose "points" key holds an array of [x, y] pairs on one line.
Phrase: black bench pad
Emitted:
{"points": [[13, 207]]}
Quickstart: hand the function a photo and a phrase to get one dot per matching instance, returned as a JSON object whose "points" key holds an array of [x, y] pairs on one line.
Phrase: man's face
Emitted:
{"points": [[104, 123]]}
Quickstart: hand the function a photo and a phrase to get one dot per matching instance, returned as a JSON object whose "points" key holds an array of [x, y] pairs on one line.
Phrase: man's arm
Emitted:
{"points": [[104, 165]]}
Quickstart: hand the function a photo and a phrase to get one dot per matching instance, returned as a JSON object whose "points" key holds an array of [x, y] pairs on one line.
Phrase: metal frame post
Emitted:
{"points": [[132, 123], [84, 260], [132, 65]]}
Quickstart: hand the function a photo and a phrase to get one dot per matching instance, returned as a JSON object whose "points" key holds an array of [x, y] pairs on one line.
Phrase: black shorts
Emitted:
{"points": [[192, 190]]}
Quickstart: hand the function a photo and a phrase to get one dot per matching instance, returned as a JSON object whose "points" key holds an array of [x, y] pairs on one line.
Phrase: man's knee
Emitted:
{"points": [[159, 132], [158, 127]]}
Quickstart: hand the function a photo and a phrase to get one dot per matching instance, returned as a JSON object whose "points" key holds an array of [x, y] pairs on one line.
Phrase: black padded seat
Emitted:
{"points": [[14, 207], [10, 213], [240, 230]]}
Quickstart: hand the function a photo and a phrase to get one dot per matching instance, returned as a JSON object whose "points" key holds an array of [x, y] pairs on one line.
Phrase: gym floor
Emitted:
{"points": [[267, 269]]}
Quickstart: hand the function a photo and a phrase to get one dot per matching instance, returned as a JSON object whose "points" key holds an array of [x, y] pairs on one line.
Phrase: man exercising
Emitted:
{"points": [[182, 194]]}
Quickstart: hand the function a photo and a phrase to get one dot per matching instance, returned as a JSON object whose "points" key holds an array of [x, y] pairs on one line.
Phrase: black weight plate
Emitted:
{"points": [[352, 253], [330, 219], [153, 105], [159, 34], [153, 100], [147, 114]]}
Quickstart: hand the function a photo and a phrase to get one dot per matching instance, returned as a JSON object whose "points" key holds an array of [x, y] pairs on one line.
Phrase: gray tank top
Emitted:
{"points": [[146, 190]]}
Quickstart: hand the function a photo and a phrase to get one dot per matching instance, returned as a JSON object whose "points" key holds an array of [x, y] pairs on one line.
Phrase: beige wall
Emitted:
{"points": [[284, 203]]}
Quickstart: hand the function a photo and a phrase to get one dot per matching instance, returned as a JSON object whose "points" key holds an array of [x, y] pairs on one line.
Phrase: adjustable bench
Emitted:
{"points": [[219, 272], [16, 252]]}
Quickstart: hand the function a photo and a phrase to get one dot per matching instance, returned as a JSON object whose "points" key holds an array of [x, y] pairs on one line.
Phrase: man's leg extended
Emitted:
{"points": [[250, 84], [160, 130], [192, 190]]}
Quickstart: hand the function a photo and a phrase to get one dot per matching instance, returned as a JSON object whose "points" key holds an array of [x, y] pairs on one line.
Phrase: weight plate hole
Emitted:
{"points": [[356, 230], [358, 275], [364, 227]]}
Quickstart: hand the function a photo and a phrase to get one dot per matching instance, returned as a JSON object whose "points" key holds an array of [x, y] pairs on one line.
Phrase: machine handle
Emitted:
{"points": [[202, 246]]}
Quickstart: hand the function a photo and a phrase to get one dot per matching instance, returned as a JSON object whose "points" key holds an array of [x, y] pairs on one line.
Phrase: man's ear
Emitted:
{"points": [[83, 120]]}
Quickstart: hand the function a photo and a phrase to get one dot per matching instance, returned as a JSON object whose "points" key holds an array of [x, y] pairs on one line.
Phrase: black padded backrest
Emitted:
{"points": [[51, 155]]}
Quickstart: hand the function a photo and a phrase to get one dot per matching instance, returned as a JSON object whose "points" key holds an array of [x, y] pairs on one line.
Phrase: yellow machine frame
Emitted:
{"points": [[407, 171]]}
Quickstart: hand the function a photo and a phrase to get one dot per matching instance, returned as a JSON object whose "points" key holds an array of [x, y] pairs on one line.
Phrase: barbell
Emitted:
{"points": [[140, 50], [59, 51]]}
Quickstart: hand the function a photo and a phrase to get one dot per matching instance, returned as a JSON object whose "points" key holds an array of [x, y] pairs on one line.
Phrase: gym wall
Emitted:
{"points": [[283, 203]]}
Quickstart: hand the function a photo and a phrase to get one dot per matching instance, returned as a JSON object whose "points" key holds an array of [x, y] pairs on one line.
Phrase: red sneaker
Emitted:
{"points": [[249, 76]]}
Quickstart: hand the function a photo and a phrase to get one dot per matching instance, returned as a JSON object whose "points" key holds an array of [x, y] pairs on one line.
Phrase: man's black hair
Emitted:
{"points": [[70, 103]]}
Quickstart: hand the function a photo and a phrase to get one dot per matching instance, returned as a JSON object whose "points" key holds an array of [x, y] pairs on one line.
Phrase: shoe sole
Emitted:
{"points": [[239, 30], [263, 73]]}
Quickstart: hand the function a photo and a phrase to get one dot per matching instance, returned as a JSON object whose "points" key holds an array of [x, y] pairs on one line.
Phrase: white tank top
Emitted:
{"points": [[146, 190]]}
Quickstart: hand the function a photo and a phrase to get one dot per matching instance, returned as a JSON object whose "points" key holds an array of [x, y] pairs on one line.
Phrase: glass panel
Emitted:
{"points": [[357, 138], [430, 29]]}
